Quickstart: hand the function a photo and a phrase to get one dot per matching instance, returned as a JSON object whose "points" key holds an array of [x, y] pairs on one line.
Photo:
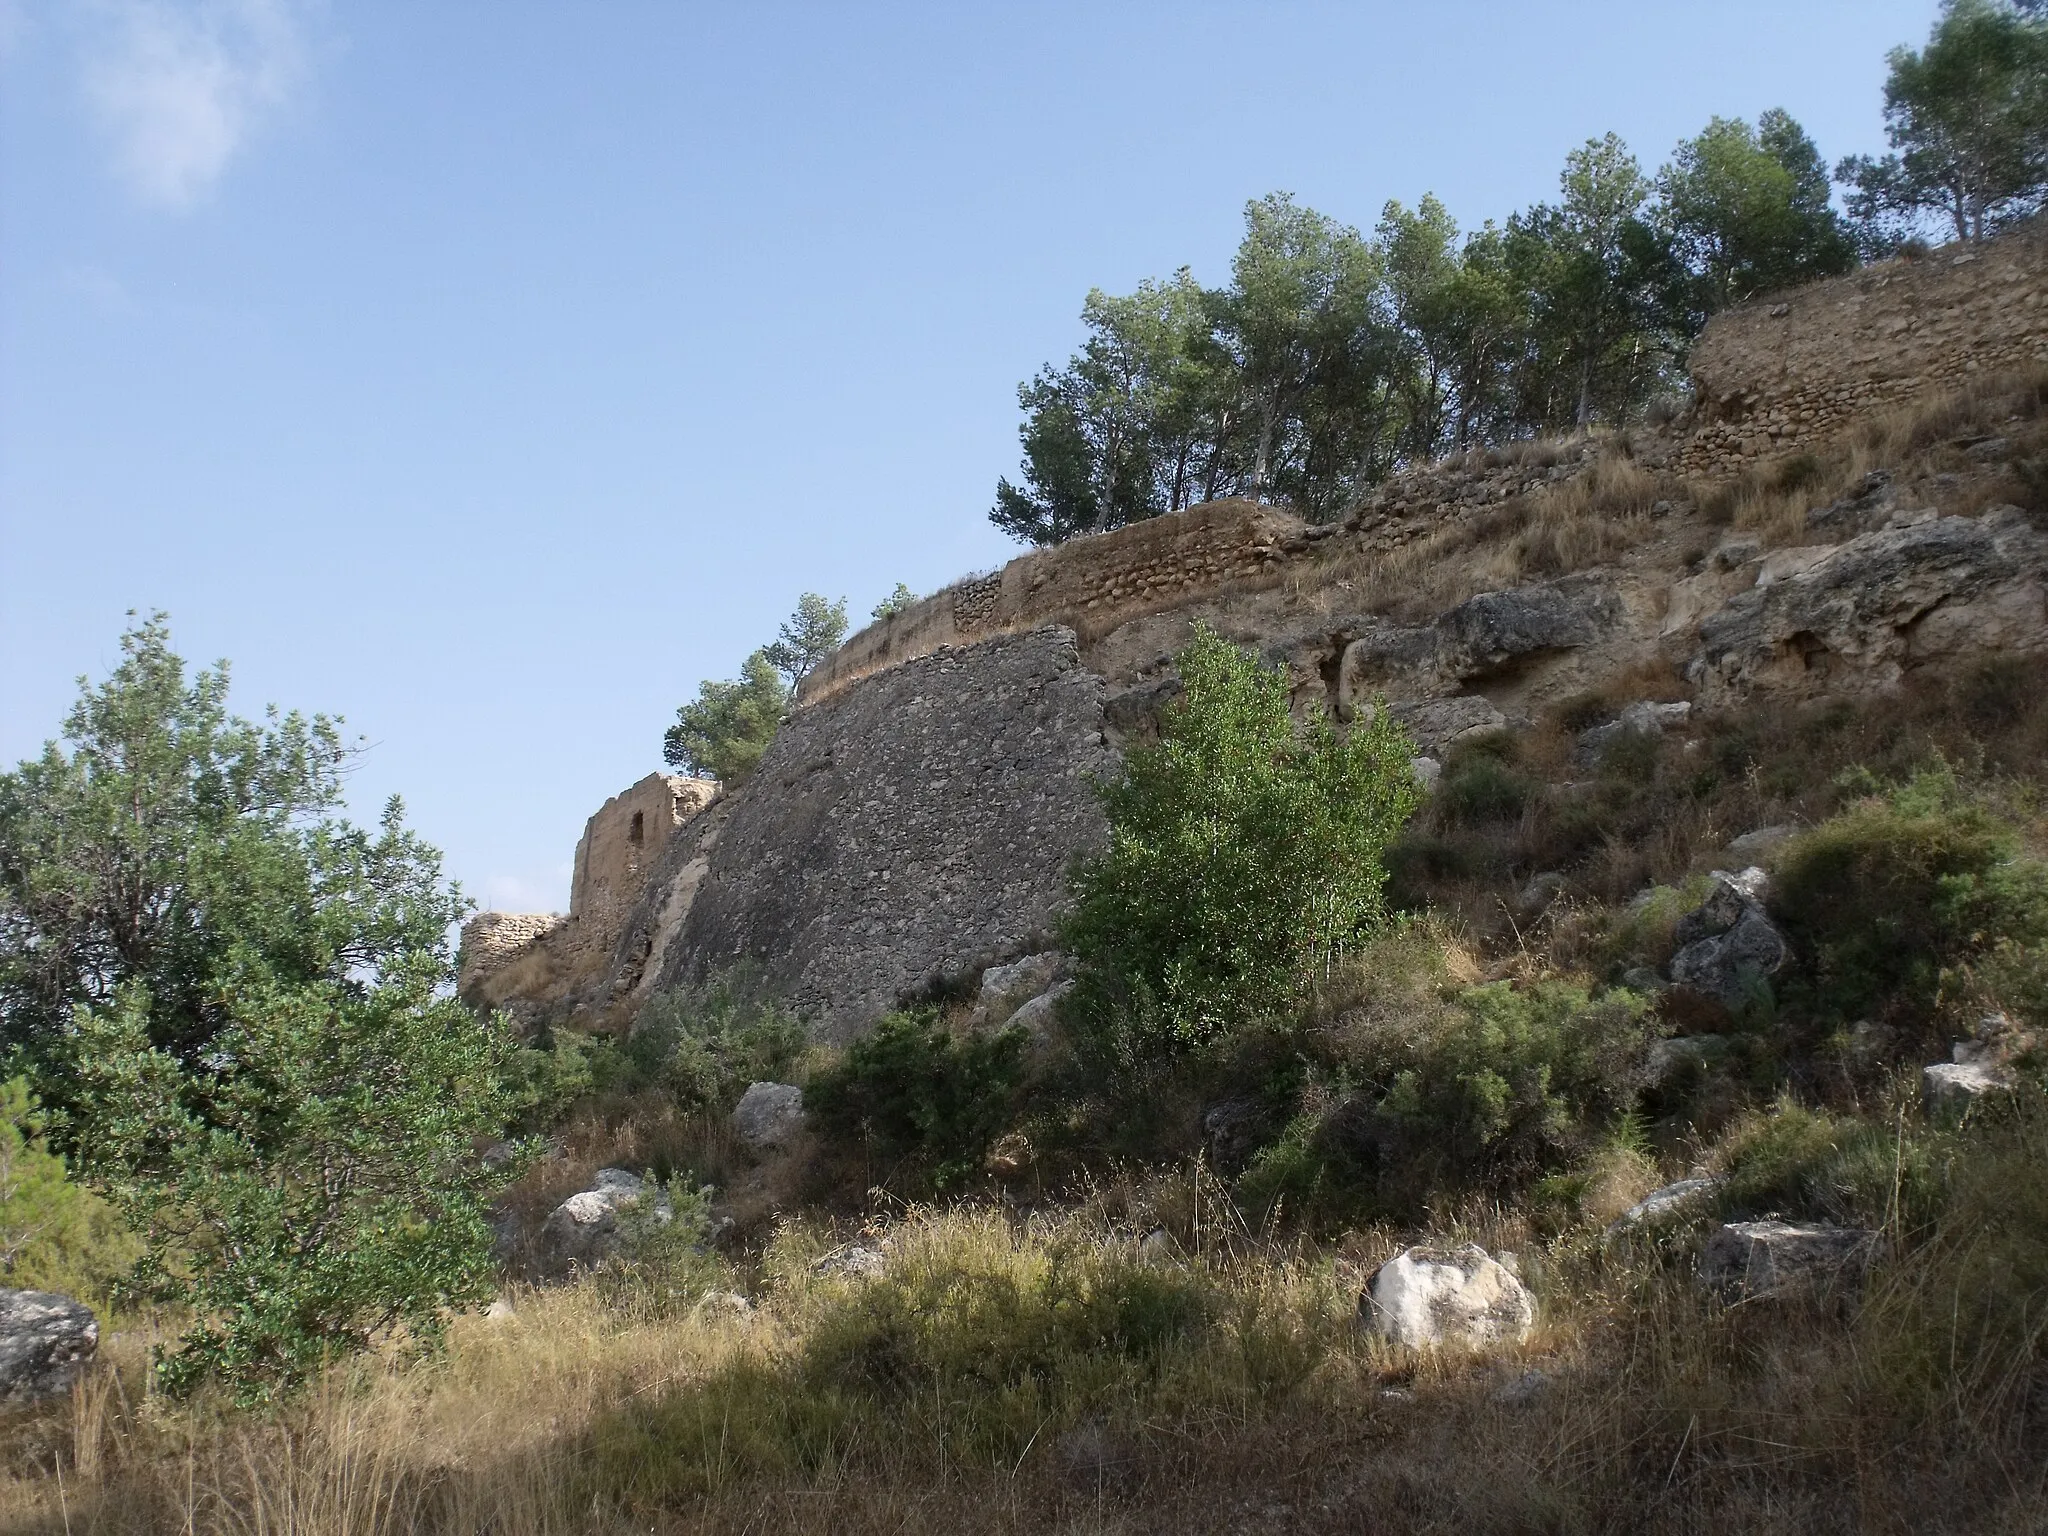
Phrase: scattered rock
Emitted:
{"points": [[1540, 892], [1037, 1017], [1006, 988], [1435, 724], [1640, 978], [1645, 717], [1427, 771], [1951, 1088], [500, 1311], [1232, 1131], [1757, 1260], [1753, 845], [724, 1306], [1668, 1201], [585, 1227], [46, 1340], [769, 1116], [1448, 1296], [851, 1261], [1158, 1247], [1728, 944]]}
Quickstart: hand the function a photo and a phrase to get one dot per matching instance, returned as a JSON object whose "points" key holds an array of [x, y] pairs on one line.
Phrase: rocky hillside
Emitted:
{"points": [[1852, 505]]}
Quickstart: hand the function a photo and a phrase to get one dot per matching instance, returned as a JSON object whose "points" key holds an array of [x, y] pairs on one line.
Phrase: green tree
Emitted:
{"points": [[55, 1234], [311, 1185], [1594, 269], [1300, 321], [725, 731], [1457, 316], [898, 600], [1245, 855], [1967, 120], [806, 638], [1748, 210], [169, 845], [1114, 436]]}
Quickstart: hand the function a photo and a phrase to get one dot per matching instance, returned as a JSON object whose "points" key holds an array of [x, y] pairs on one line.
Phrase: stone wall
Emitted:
{"points": [[548, 968], [1091, 583], [621, 843], [1792, 372], [902, 832]]}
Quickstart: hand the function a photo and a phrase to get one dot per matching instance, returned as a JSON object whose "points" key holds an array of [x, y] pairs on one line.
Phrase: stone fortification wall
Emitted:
{"points": [[545, 968], [1791, 372], [908, 829], [622, 842], [1089, 583]]}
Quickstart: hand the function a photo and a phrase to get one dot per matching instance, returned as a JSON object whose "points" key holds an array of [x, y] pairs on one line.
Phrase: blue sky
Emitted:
{"points": [[490, 373]]}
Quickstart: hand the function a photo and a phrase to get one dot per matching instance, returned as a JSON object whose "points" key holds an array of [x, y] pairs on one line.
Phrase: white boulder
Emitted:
{"points": [[769, 1116], [1428, 1297], [45, 1341], [1953, 1087], [585, 1227], [1661, 1203], [851, 1261]]}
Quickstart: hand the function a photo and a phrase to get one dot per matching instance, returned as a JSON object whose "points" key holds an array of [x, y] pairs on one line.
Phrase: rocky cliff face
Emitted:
{"points": [[914, 820]]}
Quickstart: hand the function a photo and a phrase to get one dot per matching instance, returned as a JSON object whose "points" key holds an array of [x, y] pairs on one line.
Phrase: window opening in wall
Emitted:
{"points": [[639, 828]]}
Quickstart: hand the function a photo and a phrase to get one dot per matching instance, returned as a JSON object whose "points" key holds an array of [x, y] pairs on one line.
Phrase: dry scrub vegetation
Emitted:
{"points": [[1012, 1373]]}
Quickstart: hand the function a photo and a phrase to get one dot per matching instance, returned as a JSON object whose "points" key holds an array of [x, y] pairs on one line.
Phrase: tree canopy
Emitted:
{"points": [[1967, 119]]}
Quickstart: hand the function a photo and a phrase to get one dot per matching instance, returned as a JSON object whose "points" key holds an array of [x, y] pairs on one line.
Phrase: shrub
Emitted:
{"points": [[1792, 1160], [1883, 900], [705, 1043], [915, 1092], [1246, 854], [1515, 1080]]}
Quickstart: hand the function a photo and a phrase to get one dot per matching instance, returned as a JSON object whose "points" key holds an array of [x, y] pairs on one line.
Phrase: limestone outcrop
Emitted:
{"points": [[1859, 615], [914, 821]]}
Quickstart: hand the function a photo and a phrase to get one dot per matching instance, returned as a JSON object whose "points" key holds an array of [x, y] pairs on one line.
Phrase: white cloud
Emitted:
{"points": [[179, 85]]}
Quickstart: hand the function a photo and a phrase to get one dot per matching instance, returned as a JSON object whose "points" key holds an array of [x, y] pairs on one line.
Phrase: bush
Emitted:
{"points": [[705, 1043], [916, 1093], [1513, 1081], [1246, 855], [1801, 1162], [1884, 901]]}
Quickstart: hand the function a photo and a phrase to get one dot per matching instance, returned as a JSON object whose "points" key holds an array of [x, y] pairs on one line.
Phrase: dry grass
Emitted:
{"points": [[1014, 1374], [1773, 501]]}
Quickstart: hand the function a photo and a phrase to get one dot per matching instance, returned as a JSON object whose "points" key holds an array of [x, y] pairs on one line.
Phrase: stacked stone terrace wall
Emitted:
{"points": [[1090, 584], [1793, 372]]}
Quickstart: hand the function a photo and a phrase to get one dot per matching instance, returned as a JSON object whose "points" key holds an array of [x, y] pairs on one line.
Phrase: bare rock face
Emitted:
{"points": [[905, 830], [585, 1227], [1948, 589], [1427, 1297], [769, 1116], [1435, 724], [45, 1341], [1484, 636], [1780, 1260], [1728, 943], [1645, 717]]}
